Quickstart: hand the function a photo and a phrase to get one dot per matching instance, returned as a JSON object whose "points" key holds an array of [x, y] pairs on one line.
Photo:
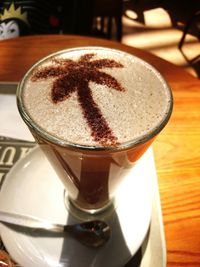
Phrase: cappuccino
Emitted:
{"points": [[96, 97], [94, 112]]}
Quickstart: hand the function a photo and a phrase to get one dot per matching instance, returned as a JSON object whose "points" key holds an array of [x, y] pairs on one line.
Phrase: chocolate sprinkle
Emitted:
{"points": [[70, 76]]}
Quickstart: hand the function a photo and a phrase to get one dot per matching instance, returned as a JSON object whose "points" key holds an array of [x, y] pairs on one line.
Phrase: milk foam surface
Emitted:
{"points": [[130, 114]]}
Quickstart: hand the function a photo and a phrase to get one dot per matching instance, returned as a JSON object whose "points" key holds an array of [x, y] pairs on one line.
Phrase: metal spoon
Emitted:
{"points": [[91, 233]]}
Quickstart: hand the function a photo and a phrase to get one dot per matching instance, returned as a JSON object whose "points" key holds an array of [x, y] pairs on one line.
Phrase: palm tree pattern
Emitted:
{"points": [[74, 76]]}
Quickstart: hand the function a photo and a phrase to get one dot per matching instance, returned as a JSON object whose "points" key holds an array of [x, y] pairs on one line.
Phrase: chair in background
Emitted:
{"points": [[192, 26], [77, 16], [109, 12]]}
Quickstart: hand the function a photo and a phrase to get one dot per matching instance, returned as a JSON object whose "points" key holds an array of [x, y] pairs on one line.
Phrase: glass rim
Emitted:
{"points": [[70, 145]]}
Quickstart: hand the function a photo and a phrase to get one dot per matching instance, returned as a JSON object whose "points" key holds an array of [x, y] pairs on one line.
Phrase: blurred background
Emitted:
{"points": [[169, 29]]}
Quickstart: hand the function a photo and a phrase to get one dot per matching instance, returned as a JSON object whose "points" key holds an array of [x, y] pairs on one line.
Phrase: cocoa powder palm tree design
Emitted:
{"points": [[74, 76]]}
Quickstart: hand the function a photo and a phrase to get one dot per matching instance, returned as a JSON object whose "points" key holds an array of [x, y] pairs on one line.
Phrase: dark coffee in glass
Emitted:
{"points": [[94, 111]]}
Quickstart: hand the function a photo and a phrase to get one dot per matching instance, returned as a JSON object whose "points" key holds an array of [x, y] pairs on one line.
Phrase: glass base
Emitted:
{"points": [[88, 214]]}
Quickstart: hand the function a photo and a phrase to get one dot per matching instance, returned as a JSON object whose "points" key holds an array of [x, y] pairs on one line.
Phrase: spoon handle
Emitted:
{"points": [[30, 222]]}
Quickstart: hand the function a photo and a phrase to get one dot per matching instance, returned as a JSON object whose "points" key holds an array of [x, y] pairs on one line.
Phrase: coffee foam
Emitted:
{"points": [[130, 114]]}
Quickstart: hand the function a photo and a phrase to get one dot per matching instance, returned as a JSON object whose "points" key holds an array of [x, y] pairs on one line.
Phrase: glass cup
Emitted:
{"points": [[91, 174]]}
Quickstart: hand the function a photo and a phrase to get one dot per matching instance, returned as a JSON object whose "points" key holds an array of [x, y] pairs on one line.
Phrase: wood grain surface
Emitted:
{"points": [[177, 148]]}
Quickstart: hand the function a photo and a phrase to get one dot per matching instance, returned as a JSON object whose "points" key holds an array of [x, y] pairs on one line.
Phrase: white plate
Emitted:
{"points": [[33, 188]]}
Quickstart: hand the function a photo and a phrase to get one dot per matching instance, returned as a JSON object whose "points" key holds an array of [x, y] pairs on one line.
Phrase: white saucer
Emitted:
{"points": [[33, 188]]}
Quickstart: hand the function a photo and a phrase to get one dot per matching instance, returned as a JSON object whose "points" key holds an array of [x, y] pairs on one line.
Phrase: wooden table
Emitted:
{"points": [[177, 149]]}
